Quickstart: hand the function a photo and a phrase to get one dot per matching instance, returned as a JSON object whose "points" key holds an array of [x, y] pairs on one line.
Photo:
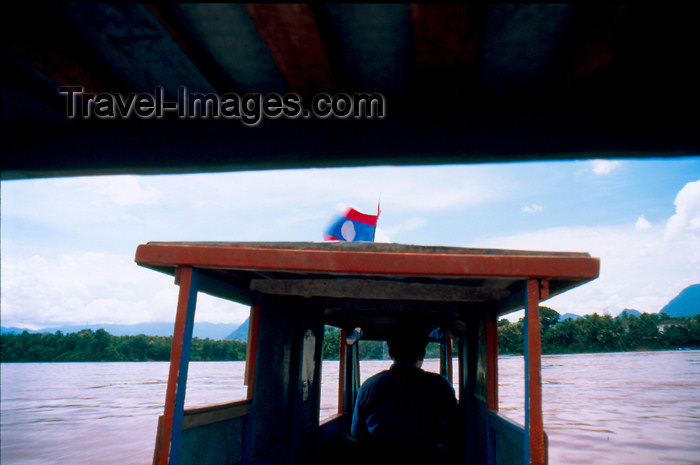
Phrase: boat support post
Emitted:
{"points": [[188, 279], [534, 446], [351, 373]]}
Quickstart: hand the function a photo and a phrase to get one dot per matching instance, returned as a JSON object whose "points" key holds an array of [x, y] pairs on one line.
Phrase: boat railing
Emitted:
{"points": [[506, 439], [199, 431], [330, 419], [213, 414]]}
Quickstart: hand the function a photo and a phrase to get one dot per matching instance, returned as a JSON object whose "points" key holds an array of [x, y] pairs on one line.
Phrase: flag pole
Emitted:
{"points": [[374, 234]]}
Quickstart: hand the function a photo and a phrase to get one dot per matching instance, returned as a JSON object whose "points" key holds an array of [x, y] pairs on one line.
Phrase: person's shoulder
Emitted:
{"points": [[375, 378], [438, 380], [435, 376]]}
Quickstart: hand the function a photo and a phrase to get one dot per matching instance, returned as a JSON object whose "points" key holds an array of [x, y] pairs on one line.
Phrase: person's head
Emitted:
{"points": [[407, 343]]}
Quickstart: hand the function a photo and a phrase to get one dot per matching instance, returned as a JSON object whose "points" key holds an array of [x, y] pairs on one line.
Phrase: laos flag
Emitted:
{"points": [[352, 226]]}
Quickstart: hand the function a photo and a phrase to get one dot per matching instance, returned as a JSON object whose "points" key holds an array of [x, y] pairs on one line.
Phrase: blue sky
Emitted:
{"points": [[68, 244]]}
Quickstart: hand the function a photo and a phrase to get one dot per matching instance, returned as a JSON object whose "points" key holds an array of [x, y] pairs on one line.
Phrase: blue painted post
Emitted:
{"points": [[179, 362]]}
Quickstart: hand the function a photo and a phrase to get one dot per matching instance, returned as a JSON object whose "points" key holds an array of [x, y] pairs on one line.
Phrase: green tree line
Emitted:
{"points": [[591, 333], [368, 350], [596, 333], [100, 346]]}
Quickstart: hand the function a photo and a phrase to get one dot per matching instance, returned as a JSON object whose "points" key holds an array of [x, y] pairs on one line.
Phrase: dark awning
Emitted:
{"points": [[463, 83]]}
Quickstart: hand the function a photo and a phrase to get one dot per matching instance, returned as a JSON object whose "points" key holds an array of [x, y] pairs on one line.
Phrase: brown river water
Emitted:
{"points": [[637, 408]]}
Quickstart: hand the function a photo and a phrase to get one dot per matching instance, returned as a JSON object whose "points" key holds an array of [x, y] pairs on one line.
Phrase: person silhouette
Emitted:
{"points": [[405, 413]]}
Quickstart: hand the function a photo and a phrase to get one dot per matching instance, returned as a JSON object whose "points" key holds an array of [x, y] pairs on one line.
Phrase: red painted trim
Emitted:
{"points": [[344, 261], [354, 215], [536, 424], [492, 362], [252, 349], [185, 275], [295, 45]]}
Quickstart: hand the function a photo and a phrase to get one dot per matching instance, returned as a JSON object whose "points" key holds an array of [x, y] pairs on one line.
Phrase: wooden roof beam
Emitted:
{"points": [[200, 57], [594, 45], [44, 54], [446, 40], [292, 37], [376, 289]]}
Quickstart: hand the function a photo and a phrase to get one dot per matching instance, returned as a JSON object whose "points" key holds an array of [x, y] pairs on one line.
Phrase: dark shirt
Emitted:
{"points": [[404, 404]]}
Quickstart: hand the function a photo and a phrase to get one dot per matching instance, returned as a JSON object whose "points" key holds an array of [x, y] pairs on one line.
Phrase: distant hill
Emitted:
{"points": [[631, 311], [687, 303], [13, 330], [202, 330], [573, 316], [241, 333]]}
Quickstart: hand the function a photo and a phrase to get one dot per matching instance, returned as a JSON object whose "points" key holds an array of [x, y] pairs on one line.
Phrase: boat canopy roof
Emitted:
{"points": [[371, 285], [463, 83]]}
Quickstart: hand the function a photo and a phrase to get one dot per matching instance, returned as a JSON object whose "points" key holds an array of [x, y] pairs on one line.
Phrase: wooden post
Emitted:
{"points": [[469, 348], [534, 426], [448, 356], [173, 414], [341, 374], [492, 361], [251, 358], [351, 379], [443, 357], [251, 354]]}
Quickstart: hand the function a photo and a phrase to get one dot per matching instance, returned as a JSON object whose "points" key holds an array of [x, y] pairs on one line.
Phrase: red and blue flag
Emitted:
{"points": [[352, 226]]}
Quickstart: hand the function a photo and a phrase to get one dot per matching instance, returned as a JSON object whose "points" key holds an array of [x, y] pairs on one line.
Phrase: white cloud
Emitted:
{"points": [[603, 167], [262, 205], [642, 224], [95, 288], [401, 189], [76, 205], [534, 208], [381, 236], [641, 270], [686, 220], [125, 190], [410, 224]]}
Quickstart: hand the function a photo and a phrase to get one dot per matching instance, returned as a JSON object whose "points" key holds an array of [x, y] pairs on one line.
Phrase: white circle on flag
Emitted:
{"points": [[348, 231]]}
